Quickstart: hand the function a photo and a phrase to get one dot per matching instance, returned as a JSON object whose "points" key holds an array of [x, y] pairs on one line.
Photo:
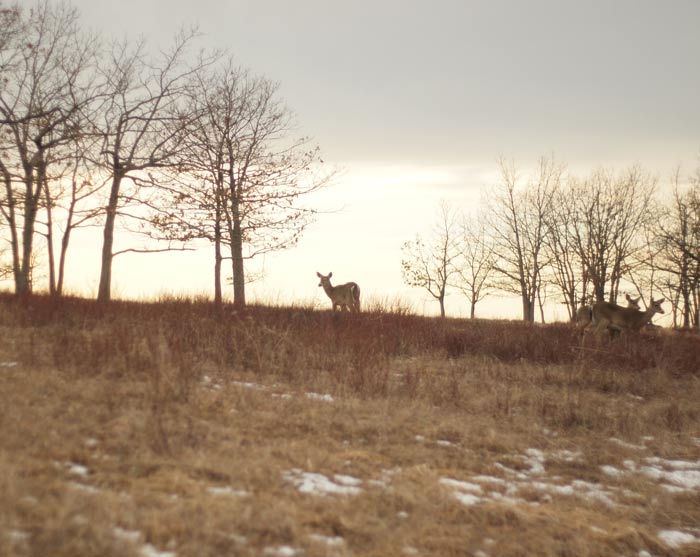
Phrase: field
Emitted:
{"points": [[171, 429]]}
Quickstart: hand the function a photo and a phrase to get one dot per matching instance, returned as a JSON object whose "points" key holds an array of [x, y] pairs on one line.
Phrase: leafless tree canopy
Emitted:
{"points": [[241, 175], [475, 264], [430, 266], [677, 245], [517, 224], [586, 238], [47, 75], [175, 143]]}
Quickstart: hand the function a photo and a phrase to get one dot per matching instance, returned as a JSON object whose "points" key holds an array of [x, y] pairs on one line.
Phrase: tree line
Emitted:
{"points": [[177, 144], [550, 235]]}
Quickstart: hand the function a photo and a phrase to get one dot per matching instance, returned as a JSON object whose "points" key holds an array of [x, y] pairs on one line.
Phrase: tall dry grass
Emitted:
{"points": [[161, 401]]}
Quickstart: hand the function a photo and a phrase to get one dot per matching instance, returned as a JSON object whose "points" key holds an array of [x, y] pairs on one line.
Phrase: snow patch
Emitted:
{"points": [[282, 551], [77, 469], [676, 538], [226, 490], [330, 541], [148, 550], [318, 396], [626, 445], [317, 484], [249, 385]]}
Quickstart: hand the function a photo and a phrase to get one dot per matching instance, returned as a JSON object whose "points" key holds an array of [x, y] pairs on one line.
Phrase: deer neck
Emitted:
{"points": [[328, 288], [644, 317]]}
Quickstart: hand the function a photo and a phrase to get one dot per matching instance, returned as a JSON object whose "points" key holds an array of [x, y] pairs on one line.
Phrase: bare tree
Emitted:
{"points": [[141, 128], [517, 224], [78, 208], [46, 71], [609, 212], [565, 271], [678, 239], [431, 266], [12, 27], [245, 174], [475, 265]]}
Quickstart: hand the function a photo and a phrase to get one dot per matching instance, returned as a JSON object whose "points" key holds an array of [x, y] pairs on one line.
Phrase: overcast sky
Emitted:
{"points": [[417, 100]]}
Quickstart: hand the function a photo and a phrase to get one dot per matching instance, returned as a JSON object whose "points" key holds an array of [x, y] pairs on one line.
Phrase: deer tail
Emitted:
{"points": [[356, 293]]}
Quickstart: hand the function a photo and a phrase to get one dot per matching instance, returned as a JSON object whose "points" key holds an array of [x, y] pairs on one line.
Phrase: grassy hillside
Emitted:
{"points": [[172, 429]]}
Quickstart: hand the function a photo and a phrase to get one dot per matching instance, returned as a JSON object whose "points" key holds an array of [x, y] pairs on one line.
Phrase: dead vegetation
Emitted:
{"points": [[171, 429]]}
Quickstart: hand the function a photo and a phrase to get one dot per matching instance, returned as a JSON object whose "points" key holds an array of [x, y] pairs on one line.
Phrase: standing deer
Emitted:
{"points": [[344, 296], [617, 319], [584, 314]]}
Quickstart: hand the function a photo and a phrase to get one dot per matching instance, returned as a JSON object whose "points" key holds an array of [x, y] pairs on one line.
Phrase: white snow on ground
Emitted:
{"points": [[283, 396], [147, 549], [627, 445], [535, 459], [128, 535], [330, 541], [85, 488], [318, 396], [248, 385], [612, 471], [208, 383], [77, 469], [18, 535], [8, 364], [674, 475], [318, 484], [675, 538], [460, 487], [282, 551], [227, 490], [677, 476]]}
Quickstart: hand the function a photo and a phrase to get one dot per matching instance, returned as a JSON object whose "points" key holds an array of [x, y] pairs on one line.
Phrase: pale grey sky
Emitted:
{"points": [[416, 101], [450, 80]]}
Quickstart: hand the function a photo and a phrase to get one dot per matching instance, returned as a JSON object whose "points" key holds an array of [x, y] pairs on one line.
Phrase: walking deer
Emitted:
{"points": [[344, 296], [584, 314], [618, 319]]}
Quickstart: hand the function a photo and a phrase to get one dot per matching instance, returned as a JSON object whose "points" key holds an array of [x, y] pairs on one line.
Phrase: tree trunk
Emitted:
{"points": [[528, 310], [104, 290], [49, 241], [472, 309], [217, 265], [62, 259], [237, 265], [218, 298], [23, 284], [237, 246], [12, 222]]}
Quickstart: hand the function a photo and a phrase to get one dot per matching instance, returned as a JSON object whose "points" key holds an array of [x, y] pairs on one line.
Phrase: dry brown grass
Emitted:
{"points": [[134, 428]]}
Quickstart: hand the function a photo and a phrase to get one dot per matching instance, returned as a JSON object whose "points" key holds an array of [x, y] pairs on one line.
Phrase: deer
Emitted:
{"points": [[584, 314], [344, 296], [606, 315]]}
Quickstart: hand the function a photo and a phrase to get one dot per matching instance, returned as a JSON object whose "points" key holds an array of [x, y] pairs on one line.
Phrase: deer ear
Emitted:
{"points": [[330, 275], [318, 274]]}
